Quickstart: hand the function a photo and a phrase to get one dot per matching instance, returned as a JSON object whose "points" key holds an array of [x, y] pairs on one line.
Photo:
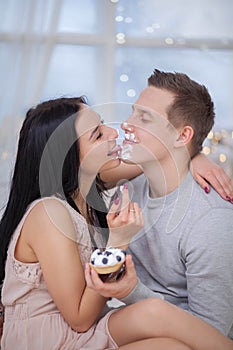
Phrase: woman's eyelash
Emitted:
{"points": [[99, 135]]}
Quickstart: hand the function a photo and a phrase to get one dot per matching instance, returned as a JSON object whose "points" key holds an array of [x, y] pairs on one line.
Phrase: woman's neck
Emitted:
{"points": [[80, 203]]}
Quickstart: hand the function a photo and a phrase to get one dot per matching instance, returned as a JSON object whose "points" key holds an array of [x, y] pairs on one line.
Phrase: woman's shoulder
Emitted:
{"points": [[47, 207], [50, 212]]}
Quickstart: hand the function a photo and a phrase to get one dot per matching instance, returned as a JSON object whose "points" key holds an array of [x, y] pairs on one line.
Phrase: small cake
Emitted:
{"points": [[108, 263]]}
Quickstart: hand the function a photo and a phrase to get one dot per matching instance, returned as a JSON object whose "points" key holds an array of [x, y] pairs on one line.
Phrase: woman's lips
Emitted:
{"points": [[115, 151]]}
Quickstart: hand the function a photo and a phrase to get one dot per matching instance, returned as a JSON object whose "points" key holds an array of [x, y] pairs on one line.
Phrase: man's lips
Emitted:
{"points": [[130, 138]]}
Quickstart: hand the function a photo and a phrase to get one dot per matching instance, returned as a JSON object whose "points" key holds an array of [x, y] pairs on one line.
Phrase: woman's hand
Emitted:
{"points": [[207, 173], [125, 219], [118, 289]]}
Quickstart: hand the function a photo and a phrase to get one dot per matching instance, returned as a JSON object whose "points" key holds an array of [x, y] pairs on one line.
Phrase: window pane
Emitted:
{"points": [[79, 16], [213, 68], [71, 72], [25, 16], [175, 18]]}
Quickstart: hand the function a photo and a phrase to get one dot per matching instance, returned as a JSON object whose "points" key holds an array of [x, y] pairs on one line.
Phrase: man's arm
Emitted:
{"points": [[209, 261], [140, 292]]}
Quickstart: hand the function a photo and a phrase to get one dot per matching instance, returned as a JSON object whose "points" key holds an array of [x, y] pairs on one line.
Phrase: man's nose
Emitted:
{"points": [[126, 126]]}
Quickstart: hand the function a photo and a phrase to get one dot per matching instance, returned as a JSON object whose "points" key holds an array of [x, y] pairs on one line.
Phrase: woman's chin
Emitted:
{"points": [[111, 164]]}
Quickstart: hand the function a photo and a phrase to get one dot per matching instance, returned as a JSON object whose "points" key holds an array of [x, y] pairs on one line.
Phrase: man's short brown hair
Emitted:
{"points": [[192, 105]]}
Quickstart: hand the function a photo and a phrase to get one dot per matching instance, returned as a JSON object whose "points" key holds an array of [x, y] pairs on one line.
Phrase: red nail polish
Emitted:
{"points": [[206, 190], [116, 200], [228, 198], [126, 186]]}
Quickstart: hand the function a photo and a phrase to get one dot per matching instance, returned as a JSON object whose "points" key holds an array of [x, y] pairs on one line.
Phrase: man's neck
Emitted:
{"points": [[164, 177]]}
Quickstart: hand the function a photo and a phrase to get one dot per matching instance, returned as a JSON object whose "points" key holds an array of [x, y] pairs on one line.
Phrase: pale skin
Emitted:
{"points": [[80, 304], [81, 296], [204, 171]]}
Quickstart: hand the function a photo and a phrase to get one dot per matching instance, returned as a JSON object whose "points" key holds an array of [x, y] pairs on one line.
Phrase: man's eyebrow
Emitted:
{"points": [[150, 112], [144, 110]]}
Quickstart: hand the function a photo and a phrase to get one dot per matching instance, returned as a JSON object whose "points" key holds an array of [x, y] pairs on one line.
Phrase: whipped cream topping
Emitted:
{"points": [[109, 257], [130, 137], [126, 151]]}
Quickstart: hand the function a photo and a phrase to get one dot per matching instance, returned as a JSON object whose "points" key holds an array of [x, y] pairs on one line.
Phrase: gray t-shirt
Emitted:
{"points": [[185, 251]]}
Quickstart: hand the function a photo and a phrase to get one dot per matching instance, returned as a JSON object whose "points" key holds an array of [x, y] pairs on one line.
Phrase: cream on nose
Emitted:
{"points": [[125, 126]]}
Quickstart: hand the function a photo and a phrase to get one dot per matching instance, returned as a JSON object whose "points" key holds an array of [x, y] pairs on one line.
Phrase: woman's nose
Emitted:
{"points": [[112, 133]]}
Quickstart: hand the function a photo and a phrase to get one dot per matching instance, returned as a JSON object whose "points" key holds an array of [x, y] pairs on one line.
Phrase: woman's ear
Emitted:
{"points": [[184, 137]]}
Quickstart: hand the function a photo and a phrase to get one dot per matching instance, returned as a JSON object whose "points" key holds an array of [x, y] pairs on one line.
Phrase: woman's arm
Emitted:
{"points": [[122, 172], [50, 233], [207, 173], [204, 171], [125, 219], [1, 319]]}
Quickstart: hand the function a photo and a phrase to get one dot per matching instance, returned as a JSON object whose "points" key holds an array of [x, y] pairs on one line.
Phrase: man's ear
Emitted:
{"points": [[185, 135]]}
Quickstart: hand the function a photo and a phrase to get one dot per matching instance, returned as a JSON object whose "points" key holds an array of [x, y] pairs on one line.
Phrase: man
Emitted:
{"points": [[185, 251]]}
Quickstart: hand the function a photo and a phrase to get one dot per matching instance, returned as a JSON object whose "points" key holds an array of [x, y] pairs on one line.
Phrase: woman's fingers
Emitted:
{"points": [[206, 173], [139, 220], [125, 219], [92, 278], [125, 204], [219, 181], [117, 289], [87, 273], [114, 209]]}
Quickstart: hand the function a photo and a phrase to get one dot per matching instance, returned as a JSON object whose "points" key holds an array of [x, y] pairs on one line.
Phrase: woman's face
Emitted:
{"points": [[97, 142]]}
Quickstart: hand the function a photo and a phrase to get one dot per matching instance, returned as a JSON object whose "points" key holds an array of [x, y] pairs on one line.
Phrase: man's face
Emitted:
{"points": [[148, 134]]}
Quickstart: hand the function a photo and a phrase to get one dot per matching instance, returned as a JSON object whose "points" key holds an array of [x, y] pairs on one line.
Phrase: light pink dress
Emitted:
{"points": [[32, 321]]}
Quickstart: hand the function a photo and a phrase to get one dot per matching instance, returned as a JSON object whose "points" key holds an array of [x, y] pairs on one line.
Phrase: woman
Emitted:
{"points": [[46, 236]]}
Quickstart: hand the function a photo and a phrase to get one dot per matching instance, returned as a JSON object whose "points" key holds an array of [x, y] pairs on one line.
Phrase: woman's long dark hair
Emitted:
{"points": [[39, 161]]}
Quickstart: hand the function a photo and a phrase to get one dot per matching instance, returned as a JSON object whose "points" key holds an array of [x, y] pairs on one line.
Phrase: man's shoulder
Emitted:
{"points": [[208, 212], [210, 201], [193, 207]]}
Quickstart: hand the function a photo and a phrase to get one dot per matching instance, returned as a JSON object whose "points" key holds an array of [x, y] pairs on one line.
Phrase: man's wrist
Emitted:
{"points": [[140, 292]]}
